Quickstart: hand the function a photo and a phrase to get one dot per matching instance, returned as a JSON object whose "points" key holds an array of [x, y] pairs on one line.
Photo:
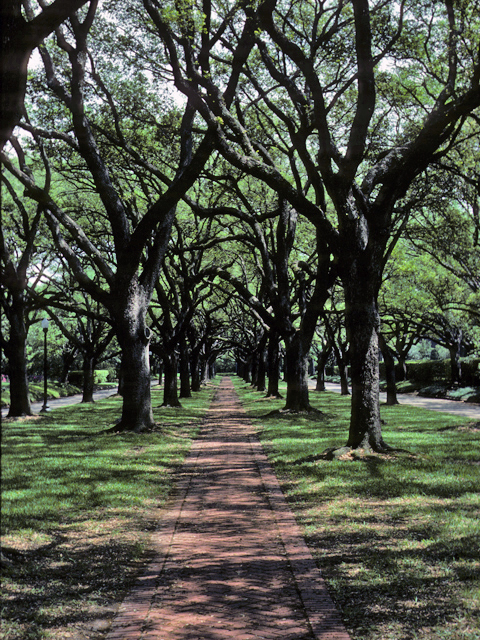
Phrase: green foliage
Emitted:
{"points": [[101, 376]]}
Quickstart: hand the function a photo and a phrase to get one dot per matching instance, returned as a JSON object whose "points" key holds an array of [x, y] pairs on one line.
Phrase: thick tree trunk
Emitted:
{"points": [[88, 378], [296, 368], [389, 370], [363, 325], [195, 370], [170, 388], [134, 339], [17, 365]]}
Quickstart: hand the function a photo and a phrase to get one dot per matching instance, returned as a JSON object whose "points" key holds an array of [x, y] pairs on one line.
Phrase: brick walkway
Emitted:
{"points": [[231, 561]]}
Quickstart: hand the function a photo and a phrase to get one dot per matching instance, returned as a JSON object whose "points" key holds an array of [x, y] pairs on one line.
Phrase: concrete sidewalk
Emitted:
{"points": [[67, 401], [231, 561]]}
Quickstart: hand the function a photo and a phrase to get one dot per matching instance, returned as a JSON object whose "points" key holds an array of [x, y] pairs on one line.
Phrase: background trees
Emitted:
{"points": [[359, 99], [348, 121]]}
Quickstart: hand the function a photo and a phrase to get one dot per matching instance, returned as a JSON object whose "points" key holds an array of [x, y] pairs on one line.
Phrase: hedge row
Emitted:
{"points": [[100, 377]]}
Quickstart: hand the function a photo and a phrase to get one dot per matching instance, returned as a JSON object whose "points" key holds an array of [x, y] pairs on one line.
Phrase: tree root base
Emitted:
{"points": [[309, 411], [126, 427], [351, 454]]}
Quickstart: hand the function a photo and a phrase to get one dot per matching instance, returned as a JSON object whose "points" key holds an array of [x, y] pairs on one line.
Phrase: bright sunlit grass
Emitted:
{"points": [[397, 538], [78, 506]]}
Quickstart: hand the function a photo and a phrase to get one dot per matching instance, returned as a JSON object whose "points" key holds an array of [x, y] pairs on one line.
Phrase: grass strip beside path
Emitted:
{"points": [[78, 508], [397, 538]]}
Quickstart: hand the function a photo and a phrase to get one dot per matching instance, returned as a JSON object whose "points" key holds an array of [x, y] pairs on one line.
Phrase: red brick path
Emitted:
{"points": [[231, 560]]}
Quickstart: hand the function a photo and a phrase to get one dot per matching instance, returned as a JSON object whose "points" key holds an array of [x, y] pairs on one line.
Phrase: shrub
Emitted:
{"points": [[101, 376], [433, 391]]}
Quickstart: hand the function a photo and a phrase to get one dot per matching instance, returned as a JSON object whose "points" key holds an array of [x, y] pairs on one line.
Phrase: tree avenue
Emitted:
{"points": [[361, 98], [298, 144], [130, 282]]}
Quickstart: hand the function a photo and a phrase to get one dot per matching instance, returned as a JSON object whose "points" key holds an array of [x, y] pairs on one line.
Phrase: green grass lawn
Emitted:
{"points": [[397, 538], [78, 507]]}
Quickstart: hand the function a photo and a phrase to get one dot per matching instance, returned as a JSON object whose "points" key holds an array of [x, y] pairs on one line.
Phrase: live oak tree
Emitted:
{"points": [[180, 290], [90, 333], [17, 250], [361, 97], [20, 36], [139, 234]]}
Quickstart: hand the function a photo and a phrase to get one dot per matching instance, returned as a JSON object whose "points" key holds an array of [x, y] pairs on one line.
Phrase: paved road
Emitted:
{"points": [[467, 409]]}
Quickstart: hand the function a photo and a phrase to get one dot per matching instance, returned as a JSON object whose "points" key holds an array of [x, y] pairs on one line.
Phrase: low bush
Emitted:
{"points": [[101, 376]]}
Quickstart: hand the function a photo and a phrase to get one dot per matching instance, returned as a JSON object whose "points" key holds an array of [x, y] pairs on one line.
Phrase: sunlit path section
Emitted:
{"points": [[231, 561]]}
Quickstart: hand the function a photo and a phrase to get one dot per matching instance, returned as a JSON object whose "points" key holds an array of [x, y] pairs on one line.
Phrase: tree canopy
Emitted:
{"points": [[261, 153]]}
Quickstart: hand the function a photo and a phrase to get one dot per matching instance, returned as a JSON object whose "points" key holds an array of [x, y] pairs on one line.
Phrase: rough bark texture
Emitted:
{"points": [[363, 324], [133, 336], [296, 368], [170, 388], [17, 366]]}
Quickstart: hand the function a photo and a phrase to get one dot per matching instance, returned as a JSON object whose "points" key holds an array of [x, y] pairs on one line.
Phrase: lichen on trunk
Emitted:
{"points": [[363, 325], [134, 338]]}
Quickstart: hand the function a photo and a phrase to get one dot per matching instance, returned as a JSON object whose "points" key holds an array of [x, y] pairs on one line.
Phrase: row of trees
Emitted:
{"points": [[305, 149]]}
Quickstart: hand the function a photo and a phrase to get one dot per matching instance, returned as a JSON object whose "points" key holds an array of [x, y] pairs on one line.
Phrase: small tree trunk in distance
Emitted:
{"points": [[160, 373], [389, 370], [261, 372], [402, 361], [273, 366], [320, 384], [17, 367], [455, 362], [68, 357], [195, 370], [343, 371], [88, 378], [185, 391], [170, 388], [254, 370]]}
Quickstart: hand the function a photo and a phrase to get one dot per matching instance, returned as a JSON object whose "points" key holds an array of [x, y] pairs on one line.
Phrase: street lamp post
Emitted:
{"points": [[45, 391]]}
